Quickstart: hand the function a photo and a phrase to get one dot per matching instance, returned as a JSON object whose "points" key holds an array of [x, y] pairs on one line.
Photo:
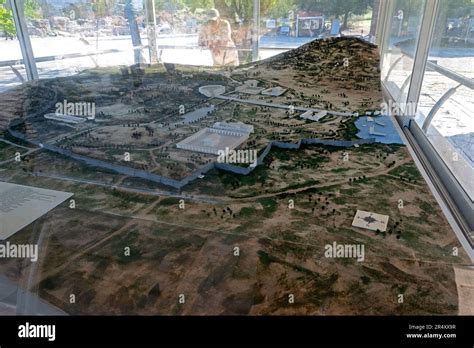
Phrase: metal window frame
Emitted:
{"points": [[150, 17], [458, 207], [422, 51], [256, 31], [24, 39], [428, 22], [382, 20], [29, 60]]}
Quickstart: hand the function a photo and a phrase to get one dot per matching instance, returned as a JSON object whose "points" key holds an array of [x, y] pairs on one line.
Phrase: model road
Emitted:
{"points": [[133, 190], [22, 155], [30, 150], [13, 144], [283, 106]]}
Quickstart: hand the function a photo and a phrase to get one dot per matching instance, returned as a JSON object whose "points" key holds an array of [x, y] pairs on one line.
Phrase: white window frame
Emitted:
{"points": [[456, 204]]}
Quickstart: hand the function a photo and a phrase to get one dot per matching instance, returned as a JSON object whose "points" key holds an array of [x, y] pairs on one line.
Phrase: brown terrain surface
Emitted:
{"points": [[239, 245]]}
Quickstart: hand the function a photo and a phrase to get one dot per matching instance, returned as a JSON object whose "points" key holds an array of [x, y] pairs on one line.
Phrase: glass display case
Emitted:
{"points": [[236, 158]]}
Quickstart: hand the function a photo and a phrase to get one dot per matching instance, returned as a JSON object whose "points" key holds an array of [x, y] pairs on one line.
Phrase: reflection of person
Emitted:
{"points": [[215, 34], [129, 12]]}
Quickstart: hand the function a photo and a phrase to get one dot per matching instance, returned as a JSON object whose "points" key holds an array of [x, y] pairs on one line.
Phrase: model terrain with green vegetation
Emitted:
{"points": [[230, 243]]}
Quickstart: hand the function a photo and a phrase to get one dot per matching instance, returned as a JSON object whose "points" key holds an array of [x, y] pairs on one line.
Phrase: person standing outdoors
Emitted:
{"points": [[215, 35]]}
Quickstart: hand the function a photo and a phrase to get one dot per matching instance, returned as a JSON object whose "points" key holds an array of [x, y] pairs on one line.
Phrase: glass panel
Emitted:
{"points": [[205, 32], [451, 70], [12, 70], [166, 196], [399, 47], [70, 36], [292, 24]]}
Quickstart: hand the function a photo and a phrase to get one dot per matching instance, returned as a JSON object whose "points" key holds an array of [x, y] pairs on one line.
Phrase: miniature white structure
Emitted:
{"points": [[221, 136], [377, 121], [251, 83], [249, 89], [211, 91], [65, 118], [313, 116], [370, 221], [373, 132], [274, 91], [234, 126]]}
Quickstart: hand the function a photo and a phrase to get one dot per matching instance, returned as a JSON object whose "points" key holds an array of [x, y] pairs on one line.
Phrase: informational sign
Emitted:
{"points": [[315, 24], [336, 24], [271, 23], [21, 205]]}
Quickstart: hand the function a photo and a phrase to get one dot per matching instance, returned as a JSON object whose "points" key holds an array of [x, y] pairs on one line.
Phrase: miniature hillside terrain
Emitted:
{"points": [[336, 74], [139, 110], [230, 243]]}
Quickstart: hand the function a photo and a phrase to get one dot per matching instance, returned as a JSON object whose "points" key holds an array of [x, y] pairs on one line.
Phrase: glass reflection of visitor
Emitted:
{"points": [[215, 35], [130, 14]]}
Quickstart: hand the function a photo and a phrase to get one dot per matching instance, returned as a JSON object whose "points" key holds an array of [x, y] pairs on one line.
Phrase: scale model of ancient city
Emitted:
{"points": [[277, 187]]}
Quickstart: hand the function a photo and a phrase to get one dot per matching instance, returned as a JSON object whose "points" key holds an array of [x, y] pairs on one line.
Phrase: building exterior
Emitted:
{"points": [[220, 136], [234, 127], [65, 118]]}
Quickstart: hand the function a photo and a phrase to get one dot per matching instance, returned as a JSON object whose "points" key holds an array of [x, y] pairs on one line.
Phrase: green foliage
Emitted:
{"points": [[50, 283], [340, 201], [192, 5], [350, 131], [6, 20], [408, 171], [335, 8], [269, 206], [130, 197], [230, 9], [427, 208], [128, 240], [31, 9], [280, 154], [102, 8], [265, 258], [246, 212], [169, 201], [277, 8]]}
